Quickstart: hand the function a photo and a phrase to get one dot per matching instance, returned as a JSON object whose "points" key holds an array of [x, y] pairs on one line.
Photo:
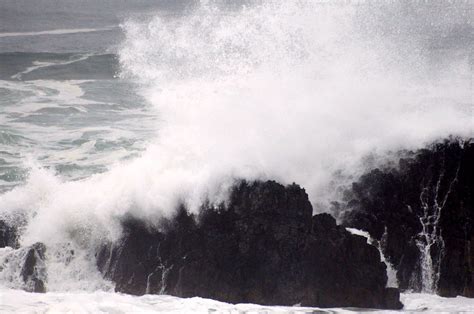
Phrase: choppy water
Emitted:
{"points": [[117, 109], [70, 113]]}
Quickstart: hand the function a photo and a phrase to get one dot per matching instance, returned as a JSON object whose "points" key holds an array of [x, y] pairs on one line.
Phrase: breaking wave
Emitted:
{"points": [[296, 91]]}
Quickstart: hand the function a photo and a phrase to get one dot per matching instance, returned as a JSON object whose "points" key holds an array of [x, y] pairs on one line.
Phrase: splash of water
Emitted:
{"points": [[430, 241], [392, 280], [296, 91]]}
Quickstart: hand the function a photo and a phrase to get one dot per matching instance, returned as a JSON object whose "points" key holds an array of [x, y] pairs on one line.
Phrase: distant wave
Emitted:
{"points": [[57, 66], [39, 65], [57, 31]]}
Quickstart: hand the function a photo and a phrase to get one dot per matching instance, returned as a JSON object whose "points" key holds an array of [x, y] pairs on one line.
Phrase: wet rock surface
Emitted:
{"points": [[264, 246], [8, 235], [25, 267], [33, 271], [422, 212]]}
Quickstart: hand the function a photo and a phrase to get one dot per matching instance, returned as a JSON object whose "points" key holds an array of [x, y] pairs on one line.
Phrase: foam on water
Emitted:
{"points": [[76, 127], [39, 64], [56, 32], [296, 91], [106, 302]]}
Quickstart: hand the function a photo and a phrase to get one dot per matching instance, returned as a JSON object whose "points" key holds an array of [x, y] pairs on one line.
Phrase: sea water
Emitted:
{"points": [[110, 110]]}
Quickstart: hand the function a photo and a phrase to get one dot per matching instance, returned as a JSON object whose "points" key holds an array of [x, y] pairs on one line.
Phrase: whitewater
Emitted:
{"points": [[106, 302], [312, 92]]}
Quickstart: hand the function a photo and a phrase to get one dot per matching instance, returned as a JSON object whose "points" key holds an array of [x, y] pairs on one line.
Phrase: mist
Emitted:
{"points": [[295, 92]]}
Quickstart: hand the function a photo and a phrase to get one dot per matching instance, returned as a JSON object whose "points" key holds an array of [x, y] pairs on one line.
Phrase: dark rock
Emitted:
{"points": [[262, 247], [28, 265], [130, 261], [323, 223], [392, 298], [28, 261], [8, 235], [33, 271], [424, 205]]}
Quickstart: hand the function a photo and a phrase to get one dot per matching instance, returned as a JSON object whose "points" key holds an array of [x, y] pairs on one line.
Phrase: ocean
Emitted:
{"points": [[116, 108]]}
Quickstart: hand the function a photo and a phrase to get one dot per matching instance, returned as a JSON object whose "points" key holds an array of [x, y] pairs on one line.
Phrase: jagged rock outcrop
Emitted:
{"points": [[264, 246], [423, 214], [24, 267]]}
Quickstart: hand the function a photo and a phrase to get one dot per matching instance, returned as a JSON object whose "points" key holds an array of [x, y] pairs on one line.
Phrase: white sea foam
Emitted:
{"points": [[14, 301], [293, 91], [46, 94], [41, 64], [56, 32]]}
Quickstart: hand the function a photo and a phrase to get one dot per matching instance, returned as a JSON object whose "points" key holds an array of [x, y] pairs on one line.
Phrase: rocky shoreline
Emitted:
{"points": [[265, 246], [422, 213]]}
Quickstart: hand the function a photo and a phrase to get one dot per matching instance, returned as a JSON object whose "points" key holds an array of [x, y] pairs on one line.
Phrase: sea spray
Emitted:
{"points": [[293, 91]]}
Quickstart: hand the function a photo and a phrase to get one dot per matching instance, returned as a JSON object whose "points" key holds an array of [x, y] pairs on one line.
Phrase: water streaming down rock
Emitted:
{"points": [[263, 247], [426, 207], [266, 229], [430, 241], [293, 91], [392, 280]]}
